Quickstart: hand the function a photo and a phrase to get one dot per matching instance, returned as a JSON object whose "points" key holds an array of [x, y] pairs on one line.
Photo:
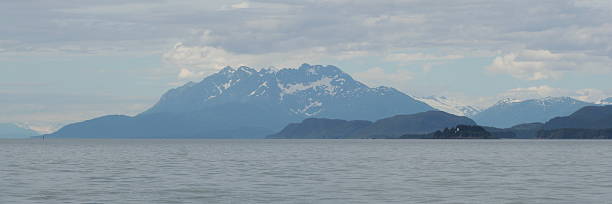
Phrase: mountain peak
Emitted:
{"points": [[449, 105], [246, 69], [243, 103], [308, 91], [508, 101], [227, 69], [553, 100], [556, 99], [327, 70], [509, 112], [589, 117], [605, 101], [305, 66]]}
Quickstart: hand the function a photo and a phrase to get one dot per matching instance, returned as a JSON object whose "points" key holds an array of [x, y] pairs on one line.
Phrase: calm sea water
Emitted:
{"points": [[305, 171]]}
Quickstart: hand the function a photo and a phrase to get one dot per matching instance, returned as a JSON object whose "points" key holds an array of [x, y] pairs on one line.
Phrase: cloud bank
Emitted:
{"points": [[575, 34]]}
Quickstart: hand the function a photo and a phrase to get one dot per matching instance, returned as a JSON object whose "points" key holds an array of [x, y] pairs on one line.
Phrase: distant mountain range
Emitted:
{"points": [[392, 127], [309, 91], [591, 122], [450, 106], [246, 103], [509, 112], [8, 130]]}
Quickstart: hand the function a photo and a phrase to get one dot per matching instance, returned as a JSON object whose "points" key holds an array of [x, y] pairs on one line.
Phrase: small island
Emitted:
{"points": [[458, 132]]}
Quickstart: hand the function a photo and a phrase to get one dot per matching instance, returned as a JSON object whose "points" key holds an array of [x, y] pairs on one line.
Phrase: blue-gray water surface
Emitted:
{"points": [[305, 171]]}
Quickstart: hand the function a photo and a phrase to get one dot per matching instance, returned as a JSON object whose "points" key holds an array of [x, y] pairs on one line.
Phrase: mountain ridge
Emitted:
{"points": [[308, 91], [448, 105], [510, 112], [243, 98], [589, 117], [605, 101]]}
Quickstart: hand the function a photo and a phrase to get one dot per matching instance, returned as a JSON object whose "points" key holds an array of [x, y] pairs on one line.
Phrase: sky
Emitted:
{"points": [[64, 61]]}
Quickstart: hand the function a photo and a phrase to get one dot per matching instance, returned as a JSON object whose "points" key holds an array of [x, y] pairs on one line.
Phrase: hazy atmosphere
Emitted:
{"points": [[306, 101], [68, 61]]}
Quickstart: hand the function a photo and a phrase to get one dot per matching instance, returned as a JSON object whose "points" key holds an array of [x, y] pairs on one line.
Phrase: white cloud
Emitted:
{"points": [[594, 4], [446, 27], [241, 5], [264, 23], [188, 74], [408, 57], [206, 59], [195, 61], [544, 64], [427, 67], [592, 95], [533, 92], [559, 26], [379, 77], [198, 61], [397, 19]]}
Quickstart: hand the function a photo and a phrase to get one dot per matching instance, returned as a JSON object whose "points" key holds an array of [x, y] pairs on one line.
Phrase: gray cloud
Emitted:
{"points": [[276, 26], [258, 31]]}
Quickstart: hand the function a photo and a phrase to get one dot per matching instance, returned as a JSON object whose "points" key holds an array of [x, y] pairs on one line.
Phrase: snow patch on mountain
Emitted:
{"points": [[261, 89], [507, 101], [323, 83], [449, 105], [606, 101], [247, 70], [307, 91], [509, 112], [311, 109]]}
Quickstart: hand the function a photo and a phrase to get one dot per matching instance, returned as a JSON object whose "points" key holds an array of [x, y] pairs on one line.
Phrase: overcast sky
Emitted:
{"points": [[63, 61]]}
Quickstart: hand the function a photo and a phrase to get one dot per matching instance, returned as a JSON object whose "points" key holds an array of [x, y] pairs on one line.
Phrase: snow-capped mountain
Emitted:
{"points": [[450, 106], [606, 101], [509, 112], [244, 102], [309, 91]]}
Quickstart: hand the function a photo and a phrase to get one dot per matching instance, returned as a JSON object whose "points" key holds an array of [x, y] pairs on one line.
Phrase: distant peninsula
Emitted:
{"points": [[392, 127], [591, 122]]}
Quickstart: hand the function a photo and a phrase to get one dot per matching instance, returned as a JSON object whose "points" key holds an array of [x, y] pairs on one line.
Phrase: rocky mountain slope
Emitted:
{"points": [[244, 102]]}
